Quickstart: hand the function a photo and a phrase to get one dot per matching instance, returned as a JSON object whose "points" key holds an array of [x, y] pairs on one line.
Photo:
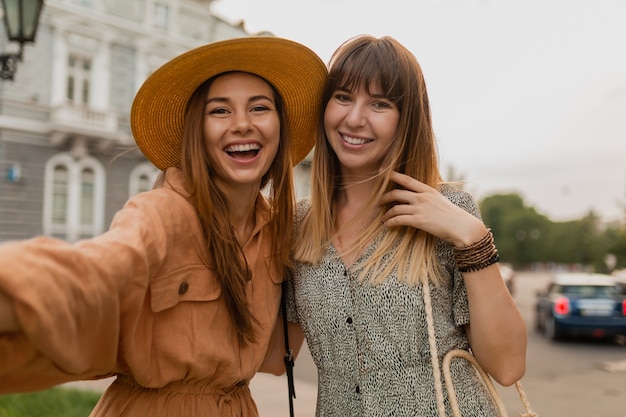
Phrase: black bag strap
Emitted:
{"points": [[289, 362]]}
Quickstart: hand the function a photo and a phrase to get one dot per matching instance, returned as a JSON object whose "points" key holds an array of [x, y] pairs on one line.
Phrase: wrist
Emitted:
{"points": [[478, 255], [470, 235]]}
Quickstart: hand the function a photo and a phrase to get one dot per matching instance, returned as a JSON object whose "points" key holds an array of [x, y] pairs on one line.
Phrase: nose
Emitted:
{"points": [[241, 122], [356, 116]]}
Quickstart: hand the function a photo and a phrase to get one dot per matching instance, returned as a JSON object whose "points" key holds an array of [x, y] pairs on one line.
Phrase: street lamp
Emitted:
{"points": [[21, 18]]}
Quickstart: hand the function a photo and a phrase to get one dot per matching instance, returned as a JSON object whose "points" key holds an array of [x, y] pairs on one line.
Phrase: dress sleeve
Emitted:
{"points": [[69, 299]]}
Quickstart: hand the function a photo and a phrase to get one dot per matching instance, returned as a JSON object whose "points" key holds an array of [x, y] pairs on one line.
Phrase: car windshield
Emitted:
{"points": [[589, 290]]}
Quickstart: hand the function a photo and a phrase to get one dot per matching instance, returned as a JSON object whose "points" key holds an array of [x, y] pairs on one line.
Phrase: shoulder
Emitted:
{"points": [[160, 202], [165, 205], [459, 198]]}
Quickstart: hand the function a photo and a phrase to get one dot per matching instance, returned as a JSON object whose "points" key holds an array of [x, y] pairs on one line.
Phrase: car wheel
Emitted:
{"points": [[550, 329]]}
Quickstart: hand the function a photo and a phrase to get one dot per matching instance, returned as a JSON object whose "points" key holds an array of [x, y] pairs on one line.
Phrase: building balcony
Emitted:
{"points": [[69, 118], [102, 129]]}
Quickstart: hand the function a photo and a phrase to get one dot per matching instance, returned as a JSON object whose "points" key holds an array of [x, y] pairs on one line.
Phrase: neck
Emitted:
{"points": [[350, 218], [241, 202], [355, 193]]}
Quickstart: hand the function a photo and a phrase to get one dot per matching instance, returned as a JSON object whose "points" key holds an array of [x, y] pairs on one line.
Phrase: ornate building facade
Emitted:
{"points": [[67, 158]]}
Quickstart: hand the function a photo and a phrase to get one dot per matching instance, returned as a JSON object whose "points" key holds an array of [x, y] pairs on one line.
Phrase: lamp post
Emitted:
{"points": [[21, 18]]}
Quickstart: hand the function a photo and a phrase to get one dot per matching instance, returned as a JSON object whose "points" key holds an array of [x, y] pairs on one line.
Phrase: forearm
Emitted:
{"points": [[8, 319], [274, 361], [497, 331]]}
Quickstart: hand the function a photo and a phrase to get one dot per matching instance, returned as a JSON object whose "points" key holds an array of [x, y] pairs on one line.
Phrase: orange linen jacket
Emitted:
{"points": [[138, 301]]}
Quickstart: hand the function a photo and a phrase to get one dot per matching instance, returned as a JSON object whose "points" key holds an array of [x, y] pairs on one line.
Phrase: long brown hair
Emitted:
{"points": [[364, 61], [225, 253]]}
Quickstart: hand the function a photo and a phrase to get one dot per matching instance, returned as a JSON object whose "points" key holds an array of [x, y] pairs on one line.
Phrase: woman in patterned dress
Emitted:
{"points": [[383, 242]]}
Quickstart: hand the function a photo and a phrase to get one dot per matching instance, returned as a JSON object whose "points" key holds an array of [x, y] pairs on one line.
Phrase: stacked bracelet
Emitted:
{"points": [[478, 255]]}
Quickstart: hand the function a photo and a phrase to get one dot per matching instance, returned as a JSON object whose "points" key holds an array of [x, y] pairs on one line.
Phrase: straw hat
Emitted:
{"points": [[297, 73]]}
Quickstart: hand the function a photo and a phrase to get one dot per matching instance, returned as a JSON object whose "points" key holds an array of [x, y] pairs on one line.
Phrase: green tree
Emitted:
{"points": [[518, 230], [578, 242], [525, 236], [615, 237]]}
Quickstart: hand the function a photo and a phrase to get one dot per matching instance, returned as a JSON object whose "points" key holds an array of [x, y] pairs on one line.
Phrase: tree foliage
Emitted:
{"points": [[525, 237]]}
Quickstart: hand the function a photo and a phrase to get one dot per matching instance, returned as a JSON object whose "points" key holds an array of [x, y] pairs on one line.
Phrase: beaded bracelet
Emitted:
{"points": [[478, 255]]}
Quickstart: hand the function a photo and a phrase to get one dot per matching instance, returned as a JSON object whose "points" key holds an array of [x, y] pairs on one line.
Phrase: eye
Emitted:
{"points": [[218, 110], [382, 105], [260, 108], [343, 98], [215, 109]]}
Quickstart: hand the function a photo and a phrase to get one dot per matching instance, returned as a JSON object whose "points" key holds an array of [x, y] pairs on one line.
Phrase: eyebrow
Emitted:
{"points": [[347, 90]]}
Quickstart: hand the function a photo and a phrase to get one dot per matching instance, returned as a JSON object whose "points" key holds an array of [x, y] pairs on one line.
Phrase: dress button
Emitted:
{"points": [[349, 320], [182, 289], [345, 272], [358, 389]]}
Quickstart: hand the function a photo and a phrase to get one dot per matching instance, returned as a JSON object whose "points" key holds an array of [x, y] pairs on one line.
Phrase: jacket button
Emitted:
{"points": [[349, 320], [182, 289], [357, 389]]}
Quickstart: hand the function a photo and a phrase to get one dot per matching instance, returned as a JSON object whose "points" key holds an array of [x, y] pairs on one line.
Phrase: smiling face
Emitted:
{"points": [[360, 126], [241, 128]]}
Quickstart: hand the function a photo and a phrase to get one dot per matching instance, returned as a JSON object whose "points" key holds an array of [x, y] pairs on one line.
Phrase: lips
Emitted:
{"points": [[243, 150], [355, 141]]}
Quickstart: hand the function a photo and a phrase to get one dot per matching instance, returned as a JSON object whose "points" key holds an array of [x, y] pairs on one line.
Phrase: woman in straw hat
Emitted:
{"points": [[180, 297], [394, 267]]}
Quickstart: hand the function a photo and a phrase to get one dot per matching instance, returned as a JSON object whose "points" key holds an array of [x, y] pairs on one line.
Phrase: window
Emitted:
{"points": [[161, 15], [87, 185], [73, 197], [59, 195], [78, 80], [142, 178], [590, 291]]}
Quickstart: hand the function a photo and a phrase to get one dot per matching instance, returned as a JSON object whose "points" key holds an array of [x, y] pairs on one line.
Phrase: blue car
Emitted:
{"points": [[581, 304]]}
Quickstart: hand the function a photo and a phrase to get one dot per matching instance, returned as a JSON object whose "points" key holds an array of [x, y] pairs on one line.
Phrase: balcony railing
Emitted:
{"points": [[82, 118]]}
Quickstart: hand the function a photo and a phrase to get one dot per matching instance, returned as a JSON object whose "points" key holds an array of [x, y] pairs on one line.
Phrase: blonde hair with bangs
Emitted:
{"points": [[364, 61]]}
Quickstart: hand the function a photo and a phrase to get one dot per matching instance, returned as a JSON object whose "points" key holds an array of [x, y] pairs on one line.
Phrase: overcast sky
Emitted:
{"points": [[528, 96]]}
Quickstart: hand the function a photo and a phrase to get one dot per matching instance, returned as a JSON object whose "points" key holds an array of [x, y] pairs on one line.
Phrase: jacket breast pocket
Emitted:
{"points": [[193, 284]]}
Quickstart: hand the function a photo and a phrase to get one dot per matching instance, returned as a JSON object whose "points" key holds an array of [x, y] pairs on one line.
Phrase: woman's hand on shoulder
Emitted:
{"points": [[420, 206]]}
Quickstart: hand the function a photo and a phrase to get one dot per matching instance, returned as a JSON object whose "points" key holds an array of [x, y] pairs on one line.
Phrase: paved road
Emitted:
{"points": [[578, 378]]}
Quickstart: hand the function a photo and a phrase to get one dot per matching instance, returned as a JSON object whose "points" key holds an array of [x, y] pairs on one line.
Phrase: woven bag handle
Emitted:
{"points": [[454, 403], [459, 353]]}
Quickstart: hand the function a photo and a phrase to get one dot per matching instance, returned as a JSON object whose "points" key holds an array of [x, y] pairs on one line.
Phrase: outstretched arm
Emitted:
{"points": [[8, 320], [497, 334]]}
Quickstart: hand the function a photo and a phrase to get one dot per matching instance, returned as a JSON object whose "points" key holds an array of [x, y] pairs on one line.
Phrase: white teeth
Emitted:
{"points": [[243, 147], [355, 141]]}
